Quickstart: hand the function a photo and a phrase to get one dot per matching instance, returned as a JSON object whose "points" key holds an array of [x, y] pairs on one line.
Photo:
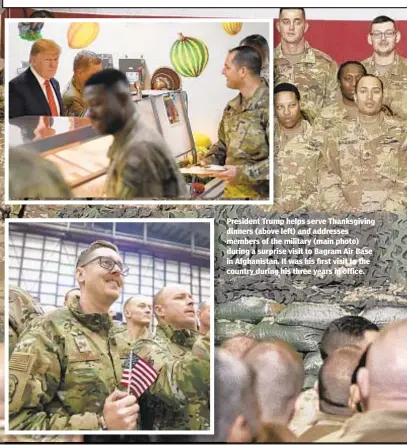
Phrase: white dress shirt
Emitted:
{"points": [[41, 81]]}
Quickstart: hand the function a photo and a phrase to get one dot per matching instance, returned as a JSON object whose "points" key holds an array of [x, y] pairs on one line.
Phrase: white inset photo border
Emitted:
{"points": [[207, 95], [146, 243]]}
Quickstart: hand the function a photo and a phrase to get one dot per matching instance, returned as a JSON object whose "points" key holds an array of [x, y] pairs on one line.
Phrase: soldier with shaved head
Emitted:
{"points": [[179, 398], [333, 385], [138, 312], [279, 372], [383, 389]]}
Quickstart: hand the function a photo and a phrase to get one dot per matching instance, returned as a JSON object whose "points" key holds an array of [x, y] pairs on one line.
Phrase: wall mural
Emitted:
{"points": [[189, 56], [232, 28], [81, 35]]}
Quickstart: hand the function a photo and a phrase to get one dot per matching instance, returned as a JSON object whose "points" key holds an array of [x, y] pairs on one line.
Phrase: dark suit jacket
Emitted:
{"points": [[26, 97]]}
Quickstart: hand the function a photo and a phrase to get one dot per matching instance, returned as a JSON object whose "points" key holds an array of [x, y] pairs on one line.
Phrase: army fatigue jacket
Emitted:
{"points": [[314, 75], [331, 116], [365, 170], [62, 370], [142, 165], [73, 100], [23, 308], [243, 140], [322, 425], [295, 165], [372, 427], [395, 84], [179, 398]]}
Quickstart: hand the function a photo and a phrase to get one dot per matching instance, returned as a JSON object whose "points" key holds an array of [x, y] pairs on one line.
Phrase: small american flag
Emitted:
{"points": [[138, 375]]}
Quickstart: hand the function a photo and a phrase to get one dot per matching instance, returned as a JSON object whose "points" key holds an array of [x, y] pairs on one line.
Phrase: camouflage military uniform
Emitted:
{"points": [[23, 308], [295, 165], [244, 141], [365, 170], [322, 425], [62, 370], [141, 165], [314, 75], [33, 177], [73, 100], [331, 116], [179, 398], [395, 84], [371, 427], [265, 73]]}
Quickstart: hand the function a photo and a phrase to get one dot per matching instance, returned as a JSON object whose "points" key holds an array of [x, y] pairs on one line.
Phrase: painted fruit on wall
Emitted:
{"points": [[189, 56], [232, 28], [81, 35]]}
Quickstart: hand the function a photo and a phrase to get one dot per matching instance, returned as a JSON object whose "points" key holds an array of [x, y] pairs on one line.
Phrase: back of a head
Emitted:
{"points": [[23, 308], [84, 59], [279, 379], [238, 345], [31, 176], [345, 331], [245, 56], [386, 363], [107, 78], [234, 395], [335, 378], [258, 42]]}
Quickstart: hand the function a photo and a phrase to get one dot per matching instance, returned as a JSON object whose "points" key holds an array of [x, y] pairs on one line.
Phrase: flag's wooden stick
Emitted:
{"points": [[130, 372]]}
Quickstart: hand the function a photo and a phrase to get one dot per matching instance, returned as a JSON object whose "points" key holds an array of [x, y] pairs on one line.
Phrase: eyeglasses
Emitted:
{"points": [[387, 34], [108, 263]]}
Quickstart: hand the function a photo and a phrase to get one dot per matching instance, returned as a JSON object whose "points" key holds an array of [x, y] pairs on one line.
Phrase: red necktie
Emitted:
{"points": [[51, 100]]}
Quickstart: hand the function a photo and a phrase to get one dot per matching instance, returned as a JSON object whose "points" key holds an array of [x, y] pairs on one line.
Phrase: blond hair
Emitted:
{"points": [[44, 45]]}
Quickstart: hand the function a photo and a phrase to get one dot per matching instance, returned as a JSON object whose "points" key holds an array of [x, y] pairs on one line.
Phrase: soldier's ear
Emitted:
{"points": [[80, 275], [369, 39], [306, 27], [363, 383], [159, 310], [398, 36], [278, 26]]}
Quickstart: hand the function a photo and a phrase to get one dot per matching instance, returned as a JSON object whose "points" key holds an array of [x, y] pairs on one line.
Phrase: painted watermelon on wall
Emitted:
{"points": [[232, 28], [189, 56]]}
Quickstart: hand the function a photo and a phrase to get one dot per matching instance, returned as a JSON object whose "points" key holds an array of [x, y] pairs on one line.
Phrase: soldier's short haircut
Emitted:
{"points": [[383, 19], [238, 345], [84, 255], [345, 331], [335, 378], [246, 56], [74, 289], [258, 42], [234, 395], [84, 59], [107, 78], [284, 9], [126, 303], [350, 62], [369, 75], [287, 87]]}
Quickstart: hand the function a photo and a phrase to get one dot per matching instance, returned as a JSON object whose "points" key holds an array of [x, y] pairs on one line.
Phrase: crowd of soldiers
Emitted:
{"points": [[340, 137], [361, 387], [66, 366]]}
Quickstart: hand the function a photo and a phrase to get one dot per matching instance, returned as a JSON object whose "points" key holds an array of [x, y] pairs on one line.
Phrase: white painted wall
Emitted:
{"points": [[207, 94]]}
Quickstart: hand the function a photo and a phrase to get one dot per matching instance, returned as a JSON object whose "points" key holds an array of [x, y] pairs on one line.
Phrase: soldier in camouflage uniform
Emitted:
{"points": [[23, 309], [364, 161], [64, 369], [244, 129], [33, 177], [389, 66], [141, 163], [296, 153], [296, 62], [85, 64], [345, 107], [179, 398], [138, 312]]}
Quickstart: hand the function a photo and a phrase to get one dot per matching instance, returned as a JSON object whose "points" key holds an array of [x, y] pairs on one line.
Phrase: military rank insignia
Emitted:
{"points": [[82, 344]]}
